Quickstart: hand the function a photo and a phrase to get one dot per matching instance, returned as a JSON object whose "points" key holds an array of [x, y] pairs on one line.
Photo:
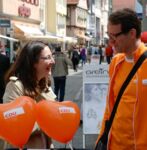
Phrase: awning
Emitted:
{"points": [[29, 30], [9, 38], [70, 39], [51, 37], [84, 37], [46, 37]]}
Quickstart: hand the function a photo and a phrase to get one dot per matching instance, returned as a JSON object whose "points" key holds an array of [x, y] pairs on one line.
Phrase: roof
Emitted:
{"points": [[72, 1]]}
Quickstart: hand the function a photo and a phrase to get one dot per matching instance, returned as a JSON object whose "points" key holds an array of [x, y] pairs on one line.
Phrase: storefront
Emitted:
{"points": [[24, 21]]}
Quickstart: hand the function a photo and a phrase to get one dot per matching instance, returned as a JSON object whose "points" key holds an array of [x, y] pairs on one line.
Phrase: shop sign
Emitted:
{"points": [[5, 23], [24, 11], [33, 2]]}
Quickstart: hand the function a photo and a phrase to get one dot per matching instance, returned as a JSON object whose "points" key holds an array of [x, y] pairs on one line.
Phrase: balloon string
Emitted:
{"points": [[70, 146]]}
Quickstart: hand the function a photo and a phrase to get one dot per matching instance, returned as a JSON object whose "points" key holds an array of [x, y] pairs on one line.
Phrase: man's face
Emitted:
{"points": [[117, 38]]}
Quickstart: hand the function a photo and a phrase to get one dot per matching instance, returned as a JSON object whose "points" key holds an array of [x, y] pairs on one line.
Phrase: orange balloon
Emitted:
{"points": [[59, 120], [17, 120]]}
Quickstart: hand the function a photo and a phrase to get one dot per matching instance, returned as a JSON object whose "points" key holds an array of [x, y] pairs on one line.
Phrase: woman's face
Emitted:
{"points": [[43, 67]]}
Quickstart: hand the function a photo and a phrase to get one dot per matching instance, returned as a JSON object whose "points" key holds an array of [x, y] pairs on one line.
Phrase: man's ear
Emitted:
{"points": [[133, 33]]}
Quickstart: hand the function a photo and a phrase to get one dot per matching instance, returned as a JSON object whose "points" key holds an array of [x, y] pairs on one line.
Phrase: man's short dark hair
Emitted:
{"points": [[128, 20]]}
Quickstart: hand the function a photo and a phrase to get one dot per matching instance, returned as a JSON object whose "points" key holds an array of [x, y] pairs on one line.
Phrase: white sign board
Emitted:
{"points": [[95, 85], [95, 59], [95, 73]]}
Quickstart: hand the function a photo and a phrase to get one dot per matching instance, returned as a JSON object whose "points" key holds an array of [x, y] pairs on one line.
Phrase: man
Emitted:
{"points": [[4, 66], [89, 53], [75, 58], [59, 72], [129, 127], [109, 53]]}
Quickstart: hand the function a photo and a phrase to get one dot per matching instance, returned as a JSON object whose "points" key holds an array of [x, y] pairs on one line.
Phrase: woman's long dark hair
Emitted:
{"points": [[23, 68]]}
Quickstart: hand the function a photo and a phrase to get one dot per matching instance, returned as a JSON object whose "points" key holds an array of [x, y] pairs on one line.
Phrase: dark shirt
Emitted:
{"points": [[4, 66]]}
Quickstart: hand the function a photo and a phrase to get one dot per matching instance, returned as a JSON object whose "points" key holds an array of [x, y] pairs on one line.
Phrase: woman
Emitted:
{"points": [[83, 55], [29, 76]]}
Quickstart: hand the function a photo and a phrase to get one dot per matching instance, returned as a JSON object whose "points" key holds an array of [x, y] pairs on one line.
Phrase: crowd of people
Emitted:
{"points": [[82, 54]]}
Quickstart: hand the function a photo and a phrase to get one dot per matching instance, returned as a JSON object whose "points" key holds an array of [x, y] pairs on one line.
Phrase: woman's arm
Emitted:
{"points": [[49, 95], [13, 90]]}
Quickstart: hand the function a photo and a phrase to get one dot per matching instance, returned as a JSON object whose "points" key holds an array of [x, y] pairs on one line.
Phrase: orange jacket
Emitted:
{"points": [[138, 128]]}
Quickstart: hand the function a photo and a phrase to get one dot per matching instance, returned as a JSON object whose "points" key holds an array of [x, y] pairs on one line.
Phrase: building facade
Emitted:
{"points": [[133, 4], [97, 21], [24, 17], [144, 17], [77, 19], [56, 13]]}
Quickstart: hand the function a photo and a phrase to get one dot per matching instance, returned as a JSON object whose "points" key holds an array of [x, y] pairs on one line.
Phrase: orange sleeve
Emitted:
{"points": [[105, 117], [107, 112]]}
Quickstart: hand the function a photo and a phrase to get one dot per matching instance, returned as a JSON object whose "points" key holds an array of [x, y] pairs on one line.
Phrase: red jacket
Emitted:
{"points": [[109, 51]]}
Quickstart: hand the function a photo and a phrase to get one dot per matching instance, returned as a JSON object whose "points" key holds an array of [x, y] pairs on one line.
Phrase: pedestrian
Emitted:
{"points": [[109, 53], [29, 76], [83, 55], [89, 53], [4, 66], [100, 52], [59, 72], [129, 127], [75, 58]]}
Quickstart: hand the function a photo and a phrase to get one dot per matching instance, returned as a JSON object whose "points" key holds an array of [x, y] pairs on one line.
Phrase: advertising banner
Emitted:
{"points": [[95, 85]]}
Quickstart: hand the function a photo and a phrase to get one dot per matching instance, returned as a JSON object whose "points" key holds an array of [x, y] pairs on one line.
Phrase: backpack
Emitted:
{"points": [[75, 55], [95, 52]]}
